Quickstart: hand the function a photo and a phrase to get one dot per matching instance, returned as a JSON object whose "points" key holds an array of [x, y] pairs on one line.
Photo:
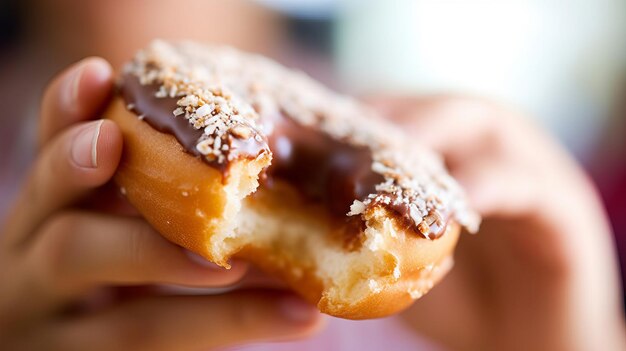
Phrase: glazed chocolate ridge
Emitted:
{"points": [[433, 226], [334, 173], [323, 169], [226, 93], [158, 113], [326, 170]]}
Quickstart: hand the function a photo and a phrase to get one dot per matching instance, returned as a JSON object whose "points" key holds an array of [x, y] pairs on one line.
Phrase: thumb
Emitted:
{"points": [[77, 161]]}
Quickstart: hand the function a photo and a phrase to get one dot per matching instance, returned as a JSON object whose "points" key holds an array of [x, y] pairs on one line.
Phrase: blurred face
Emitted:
{"points": [[114, 29]]}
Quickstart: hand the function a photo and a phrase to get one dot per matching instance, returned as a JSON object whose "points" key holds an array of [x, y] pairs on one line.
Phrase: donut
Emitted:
{"points": [[231, 155]]}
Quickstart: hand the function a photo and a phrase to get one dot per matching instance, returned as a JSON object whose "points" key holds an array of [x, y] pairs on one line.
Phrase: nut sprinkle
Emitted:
{"points": [[230, 96], [207, 106]]}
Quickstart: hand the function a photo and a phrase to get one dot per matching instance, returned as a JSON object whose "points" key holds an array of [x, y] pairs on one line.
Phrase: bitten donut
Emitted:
{"points": [[231, 155]]}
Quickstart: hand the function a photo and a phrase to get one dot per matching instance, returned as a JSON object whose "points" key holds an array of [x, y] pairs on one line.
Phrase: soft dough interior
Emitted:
{"points": [[298, 237], [271, 226]]}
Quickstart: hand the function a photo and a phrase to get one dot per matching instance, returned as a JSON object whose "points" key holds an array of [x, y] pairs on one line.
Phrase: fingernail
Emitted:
{"points": [[297, 310], [72, 87], [85, 145], [95, 69], [201, 261]]}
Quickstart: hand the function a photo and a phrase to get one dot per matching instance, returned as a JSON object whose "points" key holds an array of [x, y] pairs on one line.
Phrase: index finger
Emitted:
{"points": [[498, 156], [451, 125]]}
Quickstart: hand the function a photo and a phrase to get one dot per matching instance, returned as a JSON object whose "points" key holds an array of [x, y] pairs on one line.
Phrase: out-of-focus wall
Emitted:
{"points": [[559, 60]]}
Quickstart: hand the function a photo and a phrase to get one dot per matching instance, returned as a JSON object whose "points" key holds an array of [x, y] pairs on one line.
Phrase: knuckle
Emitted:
{"points": [[481, 109], [57, 239], [45, 176], [497, 121], [56, 234]]}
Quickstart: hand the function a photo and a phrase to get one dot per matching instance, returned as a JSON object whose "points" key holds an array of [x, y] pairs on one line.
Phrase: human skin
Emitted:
{"points": [[56, 33], [65, 30], [541, 274], [66, 242]]}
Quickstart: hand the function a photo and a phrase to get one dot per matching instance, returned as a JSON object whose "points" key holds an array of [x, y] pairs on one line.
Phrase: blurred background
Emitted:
{"points": [[562, 62]]}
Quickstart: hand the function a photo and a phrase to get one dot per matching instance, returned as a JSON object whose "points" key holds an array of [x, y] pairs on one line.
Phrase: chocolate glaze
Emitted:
{"points": [[158, 113], [324, 169], [433, 226], [332, 172]]}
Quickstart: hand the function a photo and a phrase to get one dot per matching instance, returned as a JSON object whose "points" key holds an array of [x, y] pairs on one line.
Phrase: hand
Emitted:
{"points": [[541, 273], [71, 252]]}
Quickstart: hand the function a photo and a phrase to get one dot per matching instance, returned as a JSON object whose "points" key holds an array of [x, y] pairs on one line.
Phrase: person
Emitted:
{"points": [[541, 273], [81, 270]]}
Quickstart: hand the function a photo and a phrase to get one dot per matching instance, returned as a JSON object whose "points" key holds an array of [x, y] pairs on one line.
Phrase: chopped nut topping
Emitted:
{"points": [[356, 208], [241, 132], [224, 92], [185, 72]]}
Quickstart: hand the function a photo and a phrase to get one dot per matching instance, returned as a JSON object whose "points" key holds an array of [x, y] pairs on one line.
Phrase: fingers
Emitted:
{"points": [[109, 199], [76, 94], [84, 156], [491, 151], [193, 322], [257, 279], [453, 126], [494, 189], [77, 161], [78, 251]]}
